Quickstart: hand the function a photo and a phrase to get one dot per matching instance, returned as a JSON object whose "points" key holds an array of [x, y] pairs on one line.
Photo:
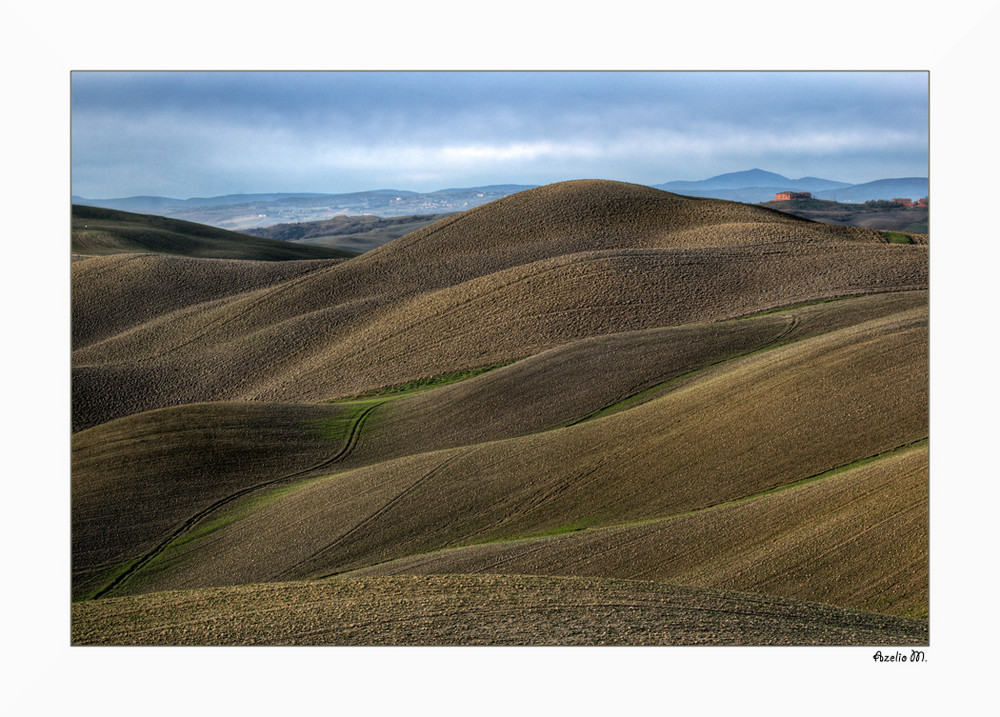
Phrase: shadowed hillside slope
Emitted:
{"points": [[431, 302], [148, 474], [109, 231], [592, 377]]}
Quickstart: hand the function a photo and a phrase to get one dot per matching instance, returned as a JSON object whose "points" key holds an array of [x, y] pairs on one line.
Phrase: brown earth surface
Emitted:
{"points": [[478, 610], [840, 538], [501, 282], [199, 454], [115, 294], [749, 425], [696, 392], [137, 480]]}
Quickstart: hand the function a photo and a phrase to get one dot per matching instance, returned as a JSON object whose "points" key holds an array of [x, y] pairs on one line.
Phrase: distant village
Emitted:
{"points": [[902, 201]]}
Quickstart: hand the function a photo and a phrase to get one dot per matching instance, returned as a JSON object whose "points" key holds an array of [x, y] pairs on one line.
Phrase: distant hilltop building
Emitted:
{"points": [[907, 202], [787, 196]]}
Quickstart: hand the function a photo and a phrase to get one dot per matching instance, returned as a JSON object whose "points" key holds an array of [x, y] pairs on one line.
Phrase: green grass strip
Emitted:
{"points": [[106, 578], [897, 237], [238, 511], [339, 428], [425, 383]]}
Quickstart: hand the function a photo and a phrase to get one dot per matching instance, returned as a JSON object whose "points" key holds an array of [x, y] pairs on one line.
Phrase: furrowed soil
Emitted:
{"points": [[839, 538], [478, 610], [753, 424], [592, 383], [497, 283]]}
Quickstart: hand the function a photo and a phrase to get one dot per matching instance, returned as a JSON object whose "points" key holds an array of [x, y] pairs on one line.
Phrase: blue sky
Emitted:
{"points": [[187, 134]]}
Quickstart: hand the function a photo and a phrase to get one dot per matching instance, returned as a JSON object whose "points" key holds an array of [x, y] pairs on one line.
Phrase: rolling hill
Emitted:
{"points": [[102, 232], [354, 233], [589, 381]]}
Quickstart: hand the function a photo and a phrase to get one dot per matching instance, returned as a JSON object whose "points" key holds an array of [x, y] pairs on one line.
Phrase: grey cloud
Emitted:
{"points": [[185, 134]]}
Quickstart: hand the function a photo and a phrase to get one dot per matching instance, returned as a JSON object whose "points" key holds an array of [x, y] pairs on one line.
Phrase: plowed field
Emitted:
{"points": [[621, 392]]}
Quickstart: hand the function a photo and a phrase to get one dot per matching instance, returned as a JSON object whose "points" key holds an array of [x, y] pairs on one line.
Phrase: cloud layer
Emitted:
{"points": [[199, 134]]}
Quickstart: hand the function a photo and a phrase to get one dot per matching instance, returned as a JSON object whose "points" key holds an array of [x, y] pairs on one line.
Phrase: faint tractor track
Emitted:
{"points": [[266, 294], [654, 385], [378, 513], [184, 527], [534, 542]]}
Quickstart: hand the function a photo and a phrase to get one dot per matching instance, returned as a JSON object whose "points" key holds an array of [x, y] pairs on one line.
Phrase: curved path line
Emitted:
{"points": [[184, 527]]}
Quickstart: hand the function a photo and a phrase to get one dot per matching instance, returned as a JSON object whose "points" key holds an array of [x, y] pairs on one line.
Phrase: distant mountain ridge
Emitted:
{"points": [[758, 185], [248, 211], [753, 178], [909, 187]]}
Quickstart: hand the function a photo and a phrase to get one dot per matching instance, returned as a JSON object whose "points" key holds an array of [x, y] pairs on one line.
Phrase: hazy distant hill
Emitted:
{"points": [[152, 205], [909, 187], [756, 185], [239, 212], [351, 233], [246, 211], [751, 186], [753, 178]]}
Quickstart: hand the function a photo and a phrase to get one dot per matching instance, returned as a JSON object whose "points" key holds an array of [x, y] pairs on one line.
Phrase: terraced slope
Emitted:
{"points": [[491, 285], [478, 610], [108, 231]]}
